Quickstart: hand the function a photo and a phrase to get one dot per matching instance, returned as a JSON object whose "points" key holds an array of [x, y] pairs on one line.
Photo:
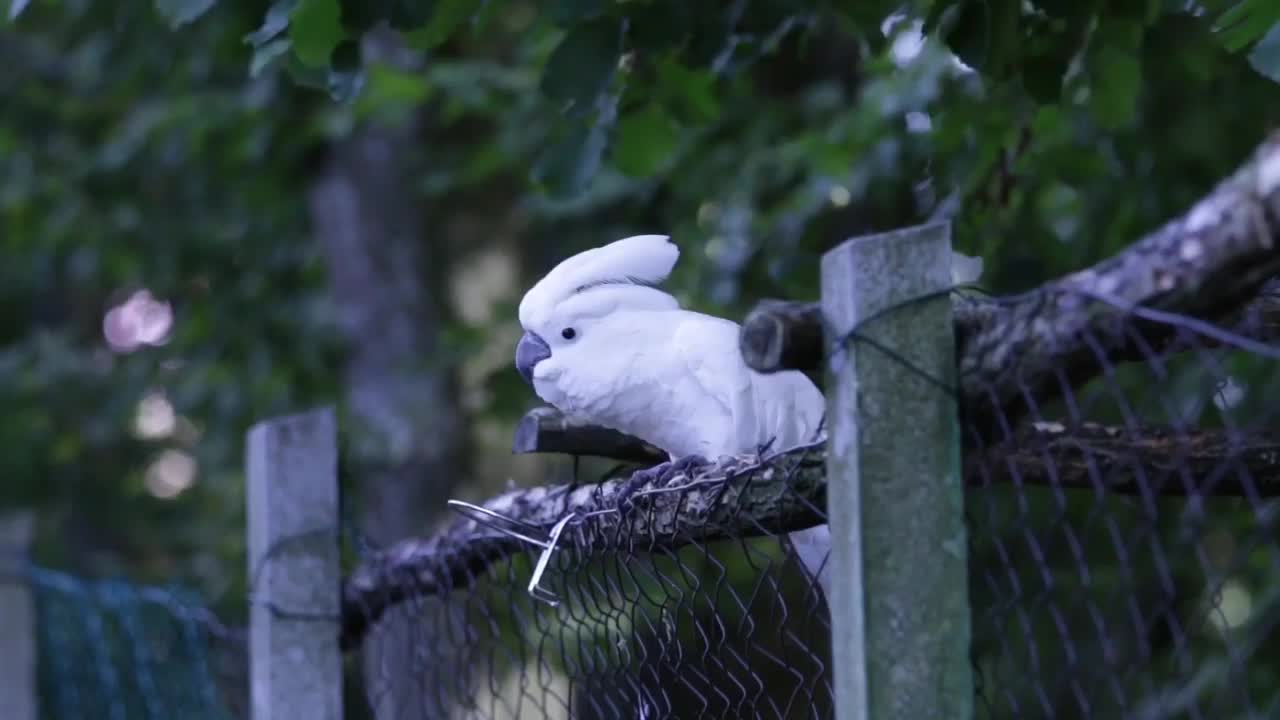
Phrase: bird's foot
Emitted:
{"points": [[685, 466], [639, 479], [658, 476]]}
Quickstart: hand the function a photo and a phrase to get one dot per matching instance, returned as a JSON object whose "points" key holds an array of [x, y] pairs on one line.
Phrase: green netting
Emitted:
{"points": [[109, 650]]}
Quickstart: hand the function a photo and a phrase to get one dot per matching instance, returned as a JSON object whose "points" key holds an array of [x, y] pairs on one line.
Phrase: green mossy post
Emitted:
{"points": [[899, 598], [295, 664]]}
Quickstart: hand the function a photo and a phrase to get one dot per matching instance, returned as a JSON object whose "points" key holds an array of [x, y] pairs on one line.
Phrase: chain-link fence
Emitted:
{"points": [[685, 608], [1123, 563], [1124, 533]]}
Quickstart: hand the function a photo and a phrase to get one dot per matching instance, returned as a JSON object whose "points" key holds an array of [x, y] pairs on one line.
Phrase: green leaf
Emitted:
{"points": [[967, 31], [566, 167], [346, 56], [645, 142], [660, 25], [176, 12], [1042, 77], [409, 15], [938, 12], [275, 22], [315, 27], [1139, 11], [690, 92], [448, 17], [984, 34], [264, 55], [307, 75], [392, 87], [581, 66], [1265, 56], [867, 15], [1048, 54], [570, 12], [359, 16], [1116, 78], [1246, 21]]}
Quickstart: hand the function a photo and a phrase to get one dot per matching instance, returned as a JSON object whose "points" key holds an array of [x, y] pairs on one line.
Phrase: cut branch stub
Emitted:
{"points": [[547, 430], [780, 335]]}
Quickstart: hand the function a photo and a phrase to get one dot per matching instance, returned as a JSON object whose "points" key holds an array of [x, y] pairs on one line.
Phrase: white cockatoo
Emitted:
{"points": [[605, 346]]}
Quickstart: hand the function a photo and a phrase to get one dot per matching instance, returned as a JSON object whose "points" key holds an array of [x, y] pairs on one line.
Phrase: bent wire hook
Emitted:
{"points": [[526, 532]]}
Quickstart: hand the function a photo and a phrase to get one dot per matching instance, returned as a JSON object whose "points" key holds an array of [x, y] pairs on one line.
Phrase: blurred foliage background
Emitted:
{"points": [[213, 212]]}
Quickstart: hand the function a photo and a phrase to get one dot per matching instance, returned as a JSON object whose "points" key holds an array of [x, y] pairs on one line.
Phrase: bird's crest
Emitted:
{"points": [[642, 261]]}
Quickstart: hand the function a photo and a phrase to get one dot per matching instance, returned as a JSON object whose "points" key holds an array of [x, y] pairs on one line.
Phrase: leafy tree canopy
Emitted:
{"points": [[169, 148]]}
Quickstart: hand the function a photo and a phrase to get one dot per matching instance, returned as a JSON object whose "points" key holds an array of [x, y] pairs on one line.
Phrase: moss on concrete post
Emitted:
{"points": [[899, 600], [294, 660]]}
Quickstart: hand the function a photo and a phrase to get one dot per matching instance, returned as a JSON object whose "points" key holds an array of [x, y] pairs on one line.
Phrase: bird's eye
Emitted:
{"points": [[568, 333]]}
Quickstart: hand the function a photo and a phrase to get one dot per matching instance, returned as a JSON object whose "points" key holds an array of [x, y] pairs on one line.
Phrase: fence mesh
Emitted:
{"points": [[628, 627], [1123, 534], [1123, 563], [110, 650]]}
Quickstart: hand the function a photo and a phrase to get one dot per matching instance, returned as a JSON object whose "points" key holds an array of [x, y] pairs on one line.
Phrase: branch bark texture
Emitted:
{"points": [[1214, 263], [742, 498], [1155, 461]]}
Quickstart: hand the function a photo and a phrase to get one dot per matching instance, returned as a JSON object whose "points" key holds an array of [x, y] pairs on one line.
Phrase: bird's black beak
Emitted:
{"points": [[530, 351]]}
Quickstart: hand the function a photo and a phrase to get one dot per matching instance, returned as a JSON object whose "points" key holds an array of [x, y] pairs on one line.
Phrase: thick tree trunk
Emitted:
{"points": [[405, 431]]}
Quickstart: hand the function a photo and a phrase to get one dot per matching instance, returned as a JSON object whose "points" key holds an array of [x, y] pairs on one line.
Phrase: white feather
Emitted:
{"points": [[640, 260]]}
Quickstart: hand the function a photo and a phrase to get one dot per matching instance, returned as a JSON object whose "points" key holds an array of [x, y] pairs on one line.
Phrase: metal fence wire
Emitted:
{"points": [[621, 627], [1123, 563], [1122, 551], [1124, 559]]}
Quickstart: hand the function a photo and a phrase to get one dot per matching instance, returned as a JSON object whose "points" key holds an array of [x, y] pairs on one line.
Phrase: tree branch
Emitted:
{"points": [[788, 493], [1154, 461], [783, 335], [741, 498], [1213, 264], [787, 335]]}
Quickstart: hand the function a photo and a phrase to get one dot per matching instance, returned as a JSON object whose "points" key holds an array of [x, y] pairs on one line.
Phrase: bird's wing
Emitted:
{"points": [[707, 348], [793, 409], [786, 408], [781, 410], [789, 409]]}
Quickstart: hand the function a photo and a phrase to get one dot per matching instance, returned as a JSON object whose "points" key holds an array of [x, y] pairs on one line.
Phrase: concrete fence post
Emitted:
{"points": [[294, 659], [899, 600]]}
